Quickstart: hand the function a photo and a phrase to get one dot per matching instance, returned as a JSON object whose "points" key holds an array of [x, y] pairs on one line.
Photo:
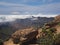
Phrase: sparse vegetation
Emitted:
{"points": [[47, 37], [59, 24], [48, 34], [57, 39], [1, 42]]}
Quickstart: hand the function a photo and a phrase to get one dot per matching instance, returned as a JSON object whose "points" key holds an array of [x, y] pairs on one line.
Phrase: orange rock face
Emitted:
{"points": [[57, 18], [24, 35]]}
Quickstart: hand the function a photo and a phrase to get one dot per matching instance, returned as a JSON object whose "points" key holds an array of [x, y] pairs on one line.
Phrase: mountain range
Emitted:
{"points": [[9, 27], [50, 28]]}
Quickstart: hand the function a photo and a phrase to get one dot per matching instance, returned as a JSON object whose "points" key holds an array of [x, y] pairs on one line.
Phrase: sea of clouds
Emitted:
{"points": [[5, 18]]}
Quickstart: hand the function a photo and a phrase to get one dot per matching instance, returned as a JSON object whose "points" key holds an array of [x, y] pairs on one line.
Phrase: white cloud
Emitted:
{"points": [[10, 4], [22, 8], [5, 18], [36, 1], [50, 0], [44, 1], [15, 13], [27, 1]]}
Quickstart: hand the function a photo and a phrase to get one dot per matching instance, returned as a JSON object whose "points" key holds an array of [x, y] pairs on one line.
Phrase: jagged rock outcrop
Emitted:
{"points": [[25, 35], [57, 18]]}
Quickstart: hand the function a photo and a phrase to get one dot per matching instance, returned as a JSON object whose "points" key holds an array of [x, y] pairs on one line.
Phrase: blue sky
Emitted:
{"points": [[23, 7]]}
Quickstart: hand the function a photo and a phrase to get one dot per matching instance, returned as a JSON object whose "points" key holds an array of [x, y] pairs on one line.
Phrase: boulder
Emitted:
{"points": [[25, 35]]}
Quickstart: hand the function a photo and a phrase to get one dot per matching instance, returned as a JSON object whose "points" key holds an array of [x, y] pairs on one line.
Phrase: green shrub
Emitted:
{"points": [[45, 40], [48, 38], [1, 42], [59, 24], [57, 39]]}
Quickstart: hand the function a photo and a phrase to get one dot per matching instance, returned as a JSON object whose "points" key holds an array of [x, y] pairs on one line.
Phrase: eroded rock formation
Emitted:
{"points": [[25, 35]]}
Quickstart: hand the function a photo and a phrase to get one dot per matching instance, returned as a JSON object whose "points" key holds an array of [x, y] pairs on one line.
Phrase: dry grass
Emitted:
{"points": [[58, 29]]}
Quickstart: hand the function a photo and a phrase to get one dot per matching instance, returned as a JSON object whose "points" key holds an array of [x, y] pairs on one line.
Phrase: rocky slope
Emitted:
{"points": [[8, 28], [55, 23], [30, 35], [23, 36]]}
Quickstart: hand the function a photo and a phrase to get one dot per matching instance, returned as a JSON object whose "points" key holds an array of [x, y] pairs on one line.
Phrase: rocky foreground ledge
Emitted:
{"points": [[22, 37]]}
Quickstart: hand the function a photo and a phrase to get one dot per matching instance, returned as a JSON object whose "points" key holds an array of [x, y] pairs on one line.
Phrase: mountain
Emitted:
{"points": [[8, 28], [27, 22], [31, 35]]}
